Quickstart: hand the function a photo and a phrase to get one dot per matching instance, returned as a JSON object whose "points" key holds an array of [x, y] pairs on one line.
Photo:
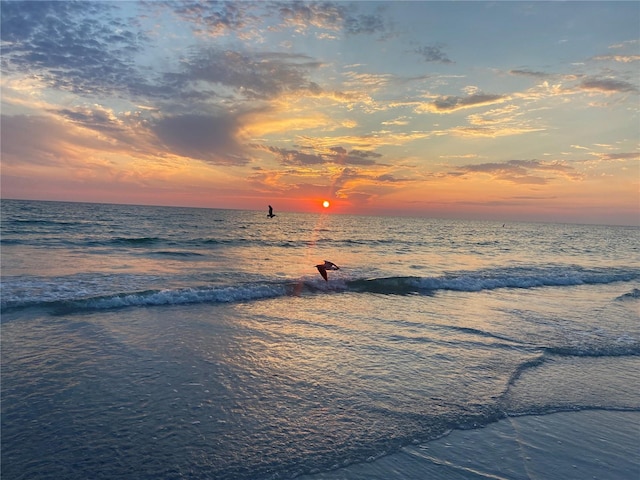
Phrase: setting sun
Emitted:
{"points": [[326, 204]]}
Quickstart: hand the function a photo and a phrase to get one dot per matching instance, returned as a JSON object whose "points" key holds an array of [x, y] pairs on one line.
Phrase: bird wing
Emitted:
{"points": [[323, 272]]}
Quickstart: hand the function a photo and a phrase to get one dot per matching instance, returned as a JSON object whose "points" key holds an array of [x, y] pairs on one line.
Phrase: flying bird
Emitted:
{"points": [[271, 214], [327, 265]]}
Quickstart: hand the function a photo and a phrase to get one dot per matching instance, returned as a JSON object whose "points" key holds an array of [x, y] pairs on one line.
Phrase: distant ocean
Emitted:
{"points": [[169, 343]]}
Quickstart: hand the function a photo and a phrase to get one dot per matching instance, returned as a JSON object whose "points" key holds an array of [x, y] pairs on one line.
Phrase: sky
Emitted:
{"points": [[507, 111]]}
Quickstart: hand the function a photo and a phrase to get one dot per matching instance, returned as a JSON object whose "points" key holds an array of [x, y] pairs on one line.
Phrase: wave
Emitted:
{"points": [[135, 241], [181, 296], [140, 243], [47, 223], [632, 295], [175, 253], [97, 292], [516, 277], [623, 347], [59, 237], [149, 298]]}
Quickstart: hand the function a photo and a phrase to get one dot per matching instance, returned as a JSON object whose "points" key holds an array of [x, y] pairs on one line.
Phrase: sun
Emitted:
{"points": [[326, 204]]}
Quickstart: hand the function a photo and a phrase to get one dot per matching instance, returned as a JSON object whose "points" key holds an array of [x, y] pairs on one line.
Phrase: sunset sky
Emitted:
{"points": [[488, 110]]}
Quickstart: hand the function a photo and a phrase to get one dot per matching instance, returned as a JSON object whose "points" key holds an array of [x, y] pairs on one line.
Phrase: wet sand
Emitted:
{"points": [[595, 444]]}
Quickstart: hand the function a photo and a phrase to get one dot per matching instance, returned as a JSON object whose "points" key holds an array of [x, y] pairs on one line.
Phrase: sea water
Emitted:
{"points": [[155, 342]]}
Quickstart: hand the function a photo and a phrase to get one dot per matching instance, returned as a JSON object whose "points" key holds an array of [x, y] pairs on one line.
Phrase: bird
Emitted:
{"points": [[327, 265], [271, 214]]}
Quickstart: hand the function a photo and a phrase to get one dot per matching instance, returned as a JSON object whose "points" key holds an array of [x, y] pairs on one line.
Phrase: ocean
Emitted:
{"points": [[158, 342]]}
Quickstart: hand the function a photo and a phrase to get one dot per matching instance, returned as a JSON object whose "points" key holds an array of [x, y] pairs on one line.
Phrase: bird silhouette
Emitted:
{"points": [[327, 265]]}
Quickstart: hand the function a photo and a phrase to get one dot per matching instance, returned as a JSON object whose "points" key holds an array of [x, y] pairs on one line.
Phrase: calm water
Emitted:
{"points": [[149, 342]]}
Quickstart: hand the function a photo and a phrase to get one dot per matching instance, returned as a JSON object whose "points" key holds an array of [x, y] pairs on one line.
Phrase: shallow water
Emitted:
{"points": [[596, 444], [151, 342]]}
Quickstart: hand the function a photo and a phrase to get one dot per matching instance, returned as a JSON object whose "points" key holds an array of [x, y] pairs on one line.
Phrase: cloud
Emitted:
{"points": [[90, 50], [618, 58], [329, 16], [336, 17], [346, 183], [367, 142], [69, 137], [626, 43], [607, 85], [389, 178], [296, 157], [433, 53], [74, 46], [364, 24], [528, 73], [32, 140], [252, 75], [368, 80], [241, 18], [397, 121], [127, 133], [503, 121], [449, 104], [309, 156], [464, 155], [618, 156], [211, 138], [493, 131], [212, 18], [97, 119], [46, 141], [359, 186], [519, 171], [502, 115]]}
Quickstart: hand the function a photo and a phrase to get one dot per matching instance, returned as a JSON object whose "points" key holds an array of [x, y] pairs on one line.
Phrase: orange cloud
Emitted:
{"points": [[449, 104]]}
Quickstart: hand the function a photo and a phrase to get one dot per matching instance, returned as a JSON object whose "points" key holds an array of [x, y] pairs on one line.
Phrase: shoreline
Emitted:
{"points": [[595, 444]]}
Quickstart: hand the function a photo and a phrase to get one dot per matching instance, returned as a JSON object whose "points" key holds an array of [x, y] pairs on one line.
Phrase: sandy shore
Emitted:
{"points": [[593, 444]]}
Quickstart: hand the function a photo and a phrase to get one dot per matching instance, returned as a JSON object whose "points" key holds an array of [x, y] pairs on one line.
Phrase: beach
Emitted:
{"points": [[153, 342], [570, 445]]}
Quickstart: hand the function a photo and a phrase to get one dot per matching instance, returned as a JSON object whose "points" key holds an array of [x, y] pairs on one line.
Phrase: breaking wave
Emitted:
{"points": [[98, 293]]}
